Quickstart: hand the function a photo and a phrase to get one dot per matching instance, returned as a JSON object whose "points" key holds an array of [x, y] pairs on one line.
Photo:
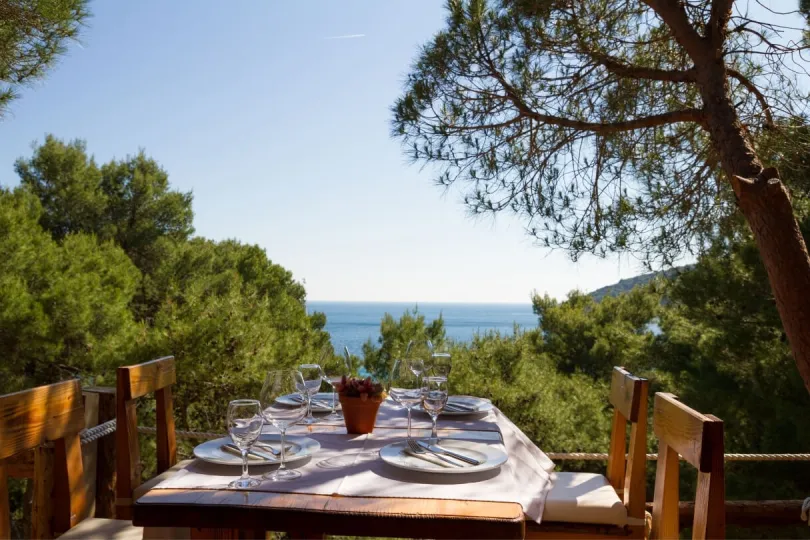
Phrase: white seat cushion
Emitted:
{"points": [[117, 529], [584, 498], [141, 490]]}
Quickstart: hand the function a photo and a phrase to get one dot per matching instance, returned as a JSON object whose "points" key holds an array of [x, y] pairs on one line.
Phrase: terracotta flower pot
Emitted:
{"points": [[360, 414]]}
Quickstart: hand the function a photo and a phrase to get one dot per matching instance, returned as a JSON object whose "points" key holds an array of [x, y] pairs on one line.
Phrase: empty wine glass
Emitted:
{"points": [[440, 364], [334, 368], [244, 427], [418, 355], [434, 398], [404, 387], [278, 384], [312, 375]]}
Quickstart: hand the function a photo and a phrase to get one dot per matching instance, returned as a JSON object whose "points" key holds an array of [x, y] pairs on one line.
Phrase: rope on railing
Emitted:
{"points": [[184, 434], [108, 428], [95, 433], [595, 456]]}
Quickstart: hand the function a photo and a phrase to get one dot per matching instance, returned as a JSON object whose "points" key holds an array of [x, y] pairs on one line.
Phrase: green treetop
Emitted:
{"points": [[33, 35]]}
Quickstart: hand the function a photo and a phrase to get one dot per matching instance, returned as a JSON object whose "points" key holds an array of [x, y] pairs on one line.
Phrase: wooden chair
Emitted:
{"points": [[608, 506], [53, 414], [132, 383], [698, 438]]}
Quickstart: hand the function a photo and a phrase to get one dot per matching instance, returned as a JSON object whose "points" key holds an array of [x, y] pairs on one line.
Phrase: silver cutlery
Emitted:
{"points": [[418, 450], [232, 448], [266, 446], [460, 407], [320, 402], [436, 449]]}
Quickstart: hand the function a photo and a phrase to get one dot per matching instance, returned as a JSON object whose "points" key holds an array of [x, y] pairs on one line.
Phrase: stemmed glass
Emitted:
{"points": [[440, 364], [418, 354], [434, 398], [278, 384], [334, 369], [312, 375], [244, 427], [404, 387]]}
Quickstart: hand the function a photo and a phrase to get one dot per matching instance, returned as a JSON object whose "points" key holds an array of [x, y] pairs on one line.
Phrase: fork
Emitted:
{"points": [[416, 449], [265, 446]]}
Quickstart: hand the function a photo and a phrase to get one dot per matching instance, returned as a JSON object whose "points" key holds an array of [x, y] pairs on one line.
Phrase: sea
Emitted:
{"points": [[352, 323]]}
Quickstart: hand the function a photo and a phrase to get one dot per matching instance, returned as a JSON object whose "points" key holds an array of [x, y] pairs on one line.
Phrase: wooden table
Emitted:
{"points": [[247, 514]]}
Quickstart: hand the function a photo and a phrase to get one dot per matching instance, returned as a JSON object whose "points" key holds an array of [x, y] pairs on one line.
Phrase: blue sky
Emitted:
{"points": [[281, 130]]}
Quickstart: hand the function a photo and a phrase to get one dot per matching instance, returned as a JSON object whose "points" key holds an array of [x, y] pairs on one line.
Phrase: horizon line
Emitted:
{"points": [[415, 302]]}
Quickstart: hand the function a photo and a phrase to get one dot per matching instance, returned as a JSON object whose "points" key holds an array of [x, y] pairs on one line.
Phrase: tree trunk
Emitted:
{"points": [[765, 203]]}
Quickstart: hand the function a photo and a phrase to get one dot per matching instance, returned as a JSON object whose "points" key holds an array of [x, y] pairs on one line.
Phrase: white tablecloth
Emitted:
{"points": [[349, 465]]}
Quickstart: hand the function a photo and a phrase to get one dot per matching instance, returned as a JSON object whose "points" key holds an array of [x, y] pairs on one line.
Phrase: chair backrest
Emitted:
{"points": [[134, 382], [699, 439], [28, 419], [628, 395]]}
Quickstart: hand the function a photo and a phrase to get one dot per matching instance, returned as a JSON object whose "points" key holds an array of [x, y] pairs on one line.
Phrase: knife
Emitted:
{"points": [[424, 457], [436, 449]]}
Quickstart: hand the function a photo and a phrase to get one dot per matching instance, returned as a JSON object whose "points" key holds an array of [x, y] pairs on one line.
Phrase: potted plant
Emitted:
{"points": [[360, 399]]}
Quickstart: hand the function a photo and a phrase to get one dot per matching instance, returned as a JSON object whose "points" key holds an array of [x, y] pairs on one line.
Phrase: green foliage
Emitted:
{"points": [[67, 183], [141, 208], [129, 201], [591, 337], [584, 118], [64, 306], [558, 411], [103, 273], [228, 315], [33, 35], [394, 338]]}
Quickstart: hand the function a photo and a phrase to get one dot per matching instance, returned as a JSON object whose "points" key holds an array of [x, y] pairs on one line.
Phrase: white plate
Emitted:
{"points": [[481, 405], [321, 402], [493, 457], [302, 447]]}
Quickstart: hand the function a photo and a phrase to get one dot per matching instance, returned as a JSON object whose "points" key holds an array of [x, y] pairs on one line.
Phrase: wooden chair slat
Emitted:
{"points": [[680, 426], [52, 413], [665, 501], [699, 439], [146, 378], [43, 490], [128, 456], [618, 448], [32, 417], [70, 494], [624, 393], [635, 482], [166, 442], [626, 470], [709, 520], [134, 382], [5, 509]]}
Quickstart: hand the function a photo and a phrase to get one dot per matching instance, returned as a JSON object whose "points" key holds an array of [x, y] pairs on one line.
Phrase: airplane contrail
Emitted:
{"points": [[347, 36]]}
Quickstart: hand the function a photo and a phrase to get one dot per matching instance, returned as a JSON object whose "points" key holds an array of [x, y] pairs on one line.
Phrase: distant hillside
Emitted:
{"points": [[626, 285]]}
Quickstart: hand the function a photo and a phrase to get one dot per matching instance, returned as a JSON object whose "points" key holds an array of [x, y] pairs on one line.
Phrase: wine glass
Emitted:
{"points": [[312, 375], [334, 369], [434, 398], [418, 355], [279, 384], [404, 387], [244, 427], [440, 364]]}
